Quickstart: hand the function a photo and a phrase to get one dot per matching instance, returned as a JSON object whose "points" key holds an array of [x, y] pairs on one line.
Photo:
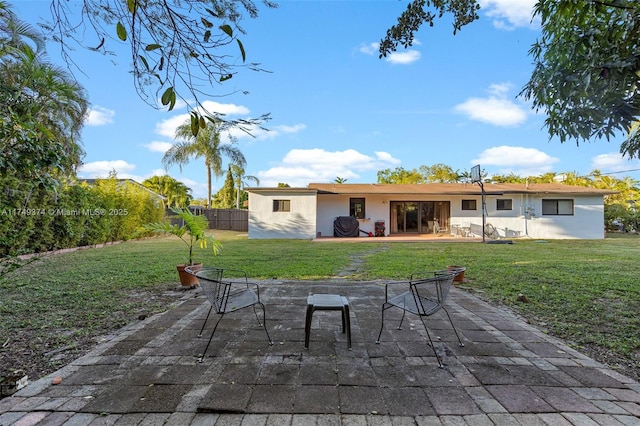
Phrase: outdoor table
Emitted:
{"points": [[327, 302]]}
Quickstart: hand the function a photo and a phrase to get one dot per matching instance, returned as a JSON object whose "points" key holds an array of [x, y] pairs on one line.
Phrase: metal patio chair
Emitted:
{"points": [[226, 296], [422, 297], [438, 230]]}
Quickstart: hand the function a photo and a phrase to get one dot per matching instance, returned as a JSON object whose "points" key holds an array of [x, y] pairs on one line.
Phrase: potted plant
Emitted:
{"points": [[191, 232], [459, 271]]}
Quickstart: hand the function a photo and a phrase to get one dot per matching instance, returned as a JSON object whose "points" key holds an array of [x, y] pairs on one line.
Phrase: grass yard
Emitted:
{"points": [[586, 292]]}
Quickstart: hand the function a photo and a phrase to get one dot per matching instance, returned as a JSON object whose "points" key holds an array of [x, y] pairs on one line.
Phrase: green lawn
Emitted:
{"points": [[586, 292]]}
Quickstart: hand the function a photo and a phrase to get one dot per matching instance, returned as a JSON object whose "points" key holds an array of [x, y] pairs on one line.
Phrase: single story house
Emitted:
{"points": [[551, 211]]}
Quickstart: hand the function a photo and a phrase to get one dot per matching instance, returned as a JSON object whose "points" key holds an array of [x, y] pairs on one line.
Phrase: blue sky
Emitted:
{"points": [[339, 111]]}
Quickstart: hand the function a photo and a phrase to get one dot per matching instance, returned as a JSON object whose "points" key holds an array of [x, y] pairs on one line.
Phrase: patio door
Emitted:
{"points": [[418, 217], [404, 217]]}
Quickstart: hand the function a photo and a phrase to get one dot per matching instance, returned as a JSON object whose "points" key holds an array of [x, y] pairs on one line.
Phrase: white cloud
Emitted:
{"points": [[158, 146], [499, 112], [102, 169], [407, 57], [290, 129], [500, 89], [496, 109], [517, 160], [198, 189], [99, 116], [168, 127], [386, 157], [300, 167], [158, 172], [223, 109], [508, 14], [370, 49], [613, 162]]}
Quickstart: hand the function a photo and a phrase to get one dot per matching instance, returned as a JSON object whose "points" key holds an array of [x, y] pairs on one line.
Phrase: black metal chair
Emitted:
{"points": [[227, 296], [422, 297]]}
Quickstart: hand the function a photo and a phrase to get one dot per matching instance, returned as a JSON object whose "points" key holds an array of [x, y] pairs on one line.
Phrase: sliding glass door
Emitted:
{"points": [[413, 217]]}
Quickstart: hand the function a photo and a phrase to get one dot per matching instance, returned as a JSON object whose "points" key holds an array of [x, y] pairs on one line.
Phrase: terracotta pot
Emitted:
{"points": [[460, 269], [186, 279]]}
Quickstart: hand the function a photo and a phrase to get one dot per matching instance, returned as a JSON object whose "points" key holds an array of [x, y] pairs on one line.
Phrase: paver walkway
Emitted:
{"points": [[508, 373]]}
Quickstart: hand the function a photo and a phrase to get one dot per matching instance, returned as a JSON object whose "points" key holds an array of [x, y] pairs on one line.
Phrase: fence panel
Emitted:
{"points": [[228, 219], [224, 219]]}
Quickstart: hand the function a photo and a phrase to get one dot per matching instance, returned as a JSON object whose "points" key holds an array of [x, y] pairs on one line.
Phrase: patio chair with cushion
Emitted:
{"points": [[226, 295], [422, 297]]}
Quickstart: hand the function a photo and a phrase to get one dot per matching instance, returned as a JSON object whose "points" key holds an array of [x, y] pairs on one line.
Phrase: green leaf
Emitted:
{"points": [[227, 29], [207, 36], [195, 124], [206, 23], [121, 31], [226, 77], [131, 4], [144, 61], [169, 98], [151, 47], [242, 52]]}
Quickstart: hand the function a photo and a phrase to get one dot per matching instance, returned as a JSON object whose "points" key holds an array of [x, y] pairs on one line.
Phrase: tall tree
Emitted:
{"points": [[440, 173], [400, 175], [43, 108], [207, 145], [180, 49], [240, 179], [586, 76], [178, 194], [224, 198], [586, 70]]}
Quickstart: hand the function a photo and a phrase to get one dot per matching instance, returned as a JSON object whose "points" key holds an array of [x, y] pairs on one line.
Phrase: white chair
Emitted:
{"points": [[438, 230]]}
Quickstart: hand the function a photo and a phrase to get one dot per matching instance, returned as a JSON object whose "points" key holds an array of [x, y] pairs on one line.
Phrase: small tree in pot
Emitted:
{"points": [[191, 232]]}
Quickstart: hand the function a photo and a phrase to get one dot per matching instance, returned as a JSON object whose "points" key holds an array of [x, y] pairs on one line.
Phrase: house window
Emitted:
{"points": [[504, 204], [557, 207], [281, 205], [356, 207], [469, 205]]}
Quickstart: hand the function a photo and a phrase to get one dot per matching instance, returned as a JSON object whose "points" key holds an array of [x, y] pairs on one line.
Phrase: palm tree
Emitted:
{"points": [[240, 180], [16, 33], [207, 145], [45, 105], [178, 194]]}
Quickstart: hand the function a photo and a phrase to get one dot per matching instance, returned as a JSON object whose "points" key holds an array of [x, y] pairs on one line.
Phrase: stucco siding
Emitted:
{"points": [[297, 223], [331, 206], [587, 221], [514, 213]]}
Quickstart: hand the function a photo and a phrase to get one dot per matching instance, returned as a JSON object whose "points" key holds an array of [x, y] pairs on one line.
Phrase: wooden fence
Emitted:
{"points": [[227, 219], [230, 219]]}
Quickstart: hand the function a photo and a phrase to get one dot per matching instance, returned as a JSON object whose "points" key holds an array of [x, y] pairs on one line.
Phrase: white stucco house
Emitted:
{"points": [[551, 211]]}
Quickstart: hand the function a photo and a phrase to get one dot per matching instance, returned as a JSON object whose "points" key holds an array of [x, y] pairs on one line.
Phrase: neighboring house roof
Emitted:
{"points": [[131, 181], [287, 190], [456, 189]]}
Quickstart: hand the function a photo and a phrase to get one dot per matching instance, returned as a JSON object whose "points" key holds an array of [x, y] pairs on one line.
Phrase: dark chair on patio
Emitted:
{"points": [[227, 295], [422, 297]]}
